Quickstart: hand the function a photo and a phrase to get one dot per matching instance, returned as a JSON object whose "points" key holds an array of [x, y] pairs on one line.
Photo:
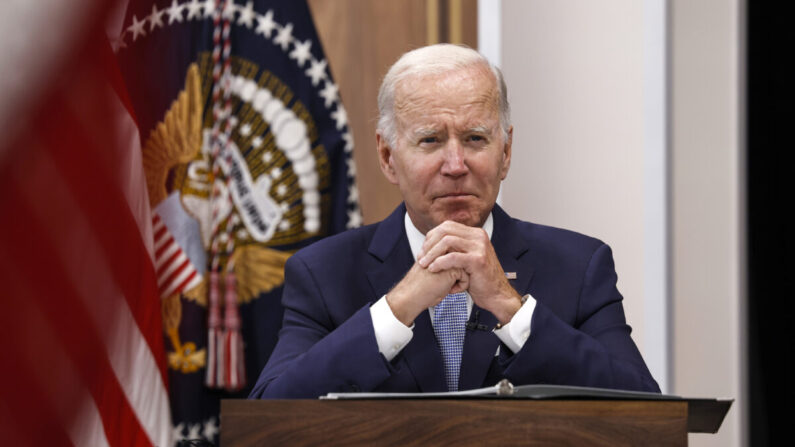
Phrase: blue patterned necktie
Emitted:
{"points": [[449, 324]]}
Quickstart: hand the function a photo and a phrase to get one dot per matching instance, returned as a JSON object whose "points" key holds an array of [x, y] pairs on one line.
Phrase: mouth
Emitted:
{"points": [[454, 195]]}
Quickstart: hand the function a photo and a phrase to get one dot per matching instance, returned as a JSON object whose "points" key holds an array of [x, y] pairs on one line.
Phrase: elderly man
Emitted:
{"points": [[449, 292]]}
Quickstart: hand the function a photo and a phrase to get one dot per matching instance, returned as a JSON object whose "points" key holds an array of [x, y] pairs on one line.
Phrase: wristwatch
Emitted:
{"points": [[523, 300]]}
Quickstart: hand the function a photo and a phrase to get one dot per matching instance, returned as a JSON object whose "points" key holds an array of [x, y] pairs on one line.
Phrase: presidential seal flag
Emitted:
{"points": [[247, 154]]}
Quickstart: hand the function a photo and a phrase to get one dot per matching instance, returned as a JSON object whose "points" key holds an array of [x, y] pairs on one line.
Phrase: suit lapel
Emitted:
{"points": [[390, 249], [423, 357], [480, 344], [511, 247]]}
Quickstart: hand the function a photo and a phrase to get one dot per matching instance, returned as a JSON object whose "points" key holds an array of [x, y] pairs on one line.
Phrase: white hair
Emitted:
{"points": [[432, 60]]}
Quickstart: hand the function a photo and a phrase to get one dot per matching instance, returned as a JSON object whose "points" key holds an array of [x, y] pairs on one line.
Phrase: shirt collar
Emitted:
{"points": [[416, 239]]}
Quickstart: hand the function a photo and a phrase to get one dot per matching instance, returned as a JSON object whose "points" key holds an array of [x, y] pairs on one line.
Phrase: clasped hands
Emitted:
{"points": [[454, 258]]}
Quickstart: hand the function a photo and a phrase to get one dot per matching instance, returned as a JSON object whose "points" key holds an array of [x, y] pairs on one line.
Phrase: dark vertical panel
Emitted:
{"points": [[470, 23], [362, 38], [444, 20], [771, 269]]}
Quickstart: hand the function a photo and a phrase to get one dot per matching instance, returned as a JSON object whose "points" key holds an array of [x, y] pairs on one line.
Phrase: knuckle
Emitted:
{"points": [[480, 260]]}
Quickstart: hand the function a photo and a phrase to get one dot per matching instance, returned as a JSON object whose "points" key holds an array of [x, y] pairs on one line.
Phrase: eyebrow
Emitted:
{"points": [[425, 132], [480, 129], [430, 131]]}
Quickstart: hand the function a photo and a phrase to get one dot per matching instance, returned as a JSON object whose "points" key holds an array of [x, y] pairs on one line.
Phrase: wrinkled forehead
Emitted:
{"points": [[474, 86]]}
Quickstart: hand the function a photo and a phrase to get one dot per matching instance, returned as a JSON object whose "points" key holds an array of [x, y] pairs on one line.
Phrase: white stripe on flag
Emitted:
{"points": [[183, 275], [162, 241], [93, 367], [87, 427], [157, 223], [131, 174], [137, 371], [129, 354], [127, 350], [193, 282], [173, 266], [168, 251]]}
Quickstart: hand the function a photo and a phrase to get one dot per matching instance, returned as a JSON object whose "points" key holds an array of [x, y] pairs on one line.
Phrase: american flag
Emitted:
{"points": [[175, 272], [83, 361]]}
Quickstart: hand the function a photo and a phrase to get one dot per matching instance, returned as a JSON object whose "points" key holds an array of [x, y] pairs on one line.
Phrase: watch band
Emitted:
{"points": [[523, 300]]}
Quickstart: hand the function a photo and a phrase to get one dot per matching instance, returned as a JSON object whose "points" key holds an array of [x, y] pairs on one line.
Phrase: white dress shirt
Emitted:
{"points": [[392, 335]]}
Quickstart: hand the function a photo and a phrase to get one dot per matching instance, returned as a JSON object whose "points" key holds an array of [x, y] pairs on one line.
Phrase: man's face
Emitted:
{"points": [[450, 154]]}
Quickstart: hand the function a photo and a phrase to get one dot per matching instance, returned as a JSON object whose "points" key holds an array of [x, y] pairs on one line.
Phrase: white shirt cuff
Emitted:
{"points": [[516, 332], [390, 334]]}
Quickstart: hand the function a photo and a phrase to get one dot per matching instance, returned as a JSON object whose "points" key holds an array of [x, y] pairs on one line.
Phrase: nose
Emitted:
{"points": [[454, 164]]}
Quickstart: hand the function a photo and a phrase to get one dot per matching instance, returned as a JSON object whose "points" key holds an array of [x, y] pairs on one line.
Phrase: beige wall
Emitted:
{"points": [[706, 214], [575, 79], [580, 95]]}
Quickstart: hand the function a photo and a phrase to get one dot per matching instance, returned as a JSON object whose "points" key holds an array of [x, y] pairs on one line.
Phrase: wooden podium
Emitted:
{"points": [[500, 422]]}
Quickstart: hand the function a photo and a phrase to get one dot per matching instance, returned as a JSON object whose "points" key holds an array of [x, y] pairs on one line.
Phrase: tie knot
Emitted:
{"points": [[449, 300]]}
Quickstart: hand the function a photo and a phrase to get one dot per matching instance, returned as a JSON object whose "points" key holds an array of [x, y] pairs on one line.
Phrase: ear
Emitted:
{"points": [[385, 159], [506, 155]]}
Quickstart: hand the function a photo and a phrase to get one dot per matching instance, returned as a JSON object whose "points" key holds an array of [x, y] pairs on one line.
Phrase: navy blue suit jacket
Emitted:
{"points": [[579, 335]]}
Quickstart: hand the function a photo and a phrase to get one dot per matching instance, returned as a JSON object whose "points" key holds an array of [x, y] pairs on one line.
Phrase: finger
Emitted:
{"points": [[452, 260], [451, 236], [448, 244], [425, 288], [461, 285], [448, 227], [457, 288]]}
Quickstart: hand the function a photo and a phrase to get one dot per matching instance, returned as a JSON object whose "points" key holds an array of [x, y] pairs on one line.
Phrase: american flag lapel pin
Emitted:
{"points": [[510, 275]]}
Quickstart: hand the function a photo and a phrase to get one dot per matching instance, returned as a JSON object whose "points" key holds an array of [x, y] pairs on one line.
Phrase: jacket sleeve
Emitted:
{"points": [[314, 356], [595, 351]]}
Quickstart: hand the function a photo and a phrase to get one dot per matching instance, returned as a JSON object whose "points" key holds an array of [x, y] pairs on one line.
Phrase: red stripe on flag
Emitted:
{"points": [[183, 284], [160, 232], [108, 214], [74, 128], [159, 252], [176, 273], [168, 262], [70, 319]]}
